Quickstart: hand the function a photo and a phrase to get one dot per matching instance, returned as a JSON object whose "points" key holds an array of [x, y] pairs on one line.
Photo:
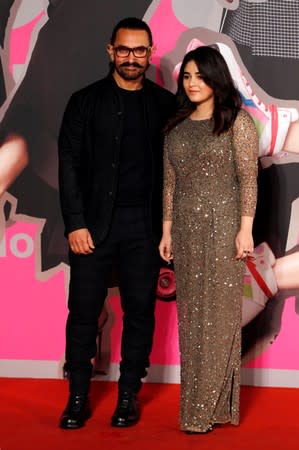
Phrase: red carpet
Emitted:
{"points": [[29, 411]]}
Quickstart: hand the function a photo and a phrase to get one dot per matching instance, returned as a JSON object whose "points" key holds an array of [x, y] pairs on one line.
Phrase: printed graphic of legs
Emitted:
{"points": [[13, 159], [259, 282], [265, 276], [277, 223], [260, 333], [276, 277]]}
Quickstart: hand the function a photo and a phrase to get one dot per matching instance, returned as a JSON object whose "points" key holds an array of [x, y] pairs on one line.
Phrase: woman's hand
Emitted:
{"points": [[165, 247], [244, 244]]}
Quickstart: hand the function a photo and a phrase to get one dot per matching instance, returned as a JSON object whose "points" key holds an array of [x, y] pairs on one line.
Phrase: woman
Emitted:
{"points": [[211, 149]]}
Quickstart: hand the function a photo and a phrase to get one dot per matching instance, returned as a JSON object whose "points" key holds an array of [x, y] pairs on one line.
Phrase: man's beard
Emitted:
{"points": [[127, 75]]}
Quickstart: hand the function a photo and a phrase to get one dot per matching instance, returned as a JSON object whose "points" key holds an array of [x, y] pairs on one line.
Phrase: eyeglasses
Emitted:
{"points": [[139, 52]]}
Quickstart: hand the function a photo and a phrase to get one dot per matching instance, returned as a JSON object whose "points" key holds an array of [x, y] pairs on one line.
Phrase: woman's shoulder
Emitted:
{"points": [[243, 116], [245, 129], [244, 121]]}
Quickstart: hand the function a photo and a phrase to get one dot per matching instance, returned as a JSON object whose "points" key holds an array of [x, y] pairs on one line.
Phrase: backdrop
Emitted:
{"points": [[48, 50]]}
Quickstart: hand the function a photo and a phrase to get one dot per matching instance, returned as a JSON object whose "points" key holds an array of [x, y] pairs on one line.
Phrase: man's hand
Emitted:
{"points": [[80, 242]]}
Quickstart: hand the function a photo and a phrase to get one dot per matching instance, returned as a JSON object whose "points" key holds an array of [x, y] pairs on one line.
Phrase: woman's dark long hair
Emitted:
{"points": [[215, 73]]}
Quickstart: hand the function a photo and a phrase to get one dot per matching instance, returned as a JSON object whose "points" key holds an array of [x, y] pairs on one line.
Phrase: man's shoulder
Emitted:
{"points": [[95, 87], [85, 98]]}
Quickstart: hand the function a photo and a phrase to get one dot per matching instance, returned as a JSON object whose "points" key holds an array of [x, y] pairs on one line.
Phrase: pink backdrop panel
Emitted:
{"points": [[20, 41], [166, 29], [33, 312]]}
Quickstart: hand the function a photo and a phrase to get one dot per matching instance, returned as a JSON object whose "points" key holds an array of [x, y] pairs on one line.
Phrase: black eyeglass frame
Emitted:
{"points": [[128, 50]]}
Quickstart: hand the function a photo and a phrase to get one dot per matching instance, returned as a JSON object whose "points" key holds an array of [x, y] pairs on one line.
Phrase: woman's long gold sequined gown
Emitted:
{"points": [[209, 182]]}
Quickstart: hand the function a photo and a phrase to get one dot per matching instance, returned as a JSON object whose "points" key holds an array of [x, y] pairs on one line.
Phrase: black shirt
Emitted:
{"points": [[135, 165]]}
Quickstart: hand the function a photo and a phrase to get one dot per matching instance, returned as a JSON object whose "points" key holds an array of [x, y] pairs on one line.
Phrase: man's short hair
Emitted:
{"points": [[131, 23]]}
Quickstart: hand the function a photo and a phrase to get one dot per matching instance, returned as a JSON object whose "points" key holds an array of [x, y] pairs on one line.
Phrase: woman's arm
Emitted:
{"points": [[245, 141], [165, 246]]}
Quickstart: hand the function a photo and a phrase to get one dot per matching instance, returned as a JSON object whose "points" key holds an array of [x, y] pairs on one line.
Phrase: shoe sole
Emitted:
{"points": [[123, 425], [72, 427]]}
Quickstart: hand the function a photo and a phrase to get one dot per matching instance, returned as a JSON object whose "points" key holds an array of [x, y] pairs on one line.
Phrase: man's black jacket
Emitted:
{"points": [[89, 149]]}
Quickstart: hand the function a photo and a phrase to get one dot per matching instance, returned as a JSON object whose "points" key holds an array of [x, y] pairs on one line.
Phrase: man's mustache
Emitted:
{"points": [[133, 64]]}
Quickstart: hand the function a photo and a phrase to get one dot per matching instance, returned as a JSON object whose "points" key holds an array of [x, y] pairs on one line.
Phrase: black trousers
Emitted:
{"points": [[132, 246]]}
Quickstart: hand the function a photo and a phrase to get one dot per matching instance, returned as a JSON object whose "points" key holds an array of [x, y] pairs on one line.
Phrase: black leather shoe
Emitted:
{"points": [[76, 413], [127, 411]]}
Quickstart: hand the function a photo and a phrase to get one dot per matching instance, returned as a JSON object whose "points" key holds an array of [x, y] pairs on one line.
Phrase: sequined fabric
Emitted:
{"points": [[209, 182]]}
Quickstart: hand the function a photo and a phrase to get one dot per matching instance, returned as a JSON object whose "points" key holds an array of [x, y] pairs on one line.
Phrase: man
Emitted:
{"points": [[67, 56], [110, 176]]}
